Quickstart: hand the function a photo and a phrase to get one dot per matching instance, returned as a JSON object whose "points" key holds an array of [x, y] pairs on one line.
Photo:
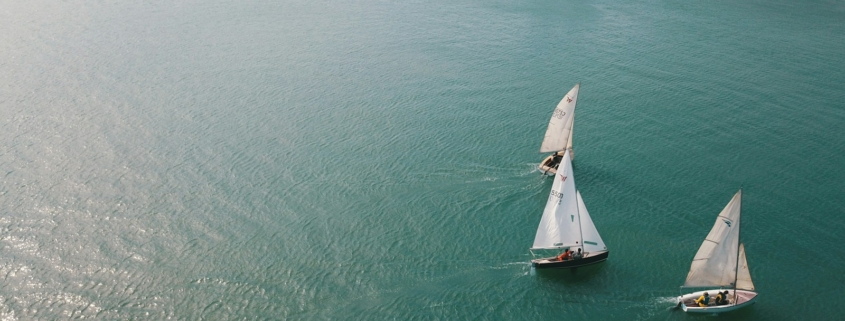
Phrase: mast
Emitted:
{"points": [[738, 242]]}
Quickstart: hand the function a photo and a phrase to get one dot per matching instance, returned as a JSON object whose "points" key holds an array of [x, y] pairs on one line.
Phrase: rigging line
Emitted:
{"points": [[578, 209]]}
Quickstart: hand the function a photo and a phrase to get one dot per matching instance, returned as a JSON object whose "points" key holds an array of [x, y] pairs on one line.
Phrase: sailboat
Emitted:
{"points": [[566, 225], [720, 264], [559, 133]]}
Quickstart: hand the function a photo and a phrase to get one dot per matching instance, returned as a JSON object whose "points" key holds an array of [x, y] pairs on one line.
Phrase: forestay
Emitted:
{"points": [[715, 263], [560, 224], [559, 131]]}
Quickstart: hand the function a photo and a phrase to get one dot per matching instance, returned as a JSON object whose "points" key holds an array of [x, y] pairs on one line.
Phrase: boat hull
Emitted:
{"points": [[546, 166], [553, 263], [743, 299]]}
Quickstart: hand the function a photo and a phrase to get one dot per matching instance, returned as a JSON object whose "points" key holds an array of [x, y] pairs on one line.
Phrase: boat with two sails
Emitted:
{"points": [[720, 264], [566, 226]]}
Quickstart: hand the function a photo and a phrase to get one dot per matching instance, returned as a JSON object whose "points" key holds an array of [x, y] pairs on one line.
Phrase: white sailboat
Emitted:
{"points": [[720, 264], [559, 133], [566, 225]]}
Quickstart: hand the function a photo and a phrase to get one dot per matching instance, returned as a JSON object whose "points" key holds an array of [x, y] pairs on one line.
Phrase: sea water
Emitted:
{"points": [[376, 160]]}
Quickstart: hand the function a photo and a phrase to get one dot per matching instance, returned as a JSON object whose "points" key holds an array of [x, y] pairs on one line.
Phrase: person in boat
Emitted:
{"points": [[565, 255], [577, 255], [703, 300], [719, 298], [556, 158], [722, 298]]}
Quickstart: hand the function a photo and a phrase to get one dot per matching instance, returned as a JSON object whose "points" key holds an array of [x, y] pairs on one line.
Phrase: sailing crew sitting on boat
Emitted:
{"points": [[703, 300], [556, 158], [719, 298], [722, 298], [565, 256], [576, 256]]}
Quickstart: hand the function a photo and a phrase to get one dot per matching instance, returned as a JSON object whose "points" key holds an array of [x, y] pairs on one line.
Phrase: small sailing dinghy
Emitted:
{"points": [[559, 133], [720, 262], [566, 225]]}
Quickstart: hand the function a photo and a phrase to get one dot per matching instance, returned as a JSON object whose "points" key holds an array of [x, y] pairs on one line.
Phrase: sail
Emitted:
{"points": [[591, 237], [560, 125], [560, 226], [569, 143], [715, 262], [743, 280]]}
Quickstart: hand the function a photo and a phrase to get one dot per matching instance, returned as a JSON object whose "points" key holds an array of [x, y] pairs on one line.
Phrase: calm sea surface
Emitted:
{"points": [[376, 160]]}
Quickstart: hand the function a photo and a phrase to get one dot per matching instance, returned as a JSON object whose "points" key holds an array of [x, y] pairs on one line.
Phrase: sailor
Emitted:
{"points": [[576, 256], [719, 298], [556, 158], [565, 256], [703, 300], [722, 298]]}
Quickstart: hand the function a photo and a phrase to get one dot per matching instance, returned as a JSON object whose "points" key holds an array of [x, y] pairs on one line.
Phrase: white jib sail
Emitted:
{"points": [[592, 239], [560, 125], [743, 280], [715, 262], [559, 226]]}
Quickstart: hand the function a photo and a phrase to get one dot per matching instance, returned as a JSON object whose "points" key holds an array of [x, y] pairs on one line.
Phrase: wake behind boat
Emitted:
{"points": [[720, 264], [558, 138], [566, 226]]}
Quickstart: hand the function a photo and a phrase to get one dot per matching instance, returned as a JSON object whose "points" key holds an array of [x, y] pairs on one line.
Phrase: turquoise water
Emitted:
{"points": [[377, 160]]}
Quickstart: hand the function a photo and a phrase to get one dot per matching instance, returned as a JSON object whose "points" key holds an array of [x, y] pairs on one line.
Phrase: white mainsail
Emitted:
{"points": [[559, 132], [590, 235], [715, 263], [560, 224]]}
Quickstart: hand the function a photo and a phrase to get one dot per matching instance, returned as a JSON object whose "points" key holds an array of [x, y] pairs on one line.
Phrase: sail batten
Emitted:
{"points": [[559, 132]]}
